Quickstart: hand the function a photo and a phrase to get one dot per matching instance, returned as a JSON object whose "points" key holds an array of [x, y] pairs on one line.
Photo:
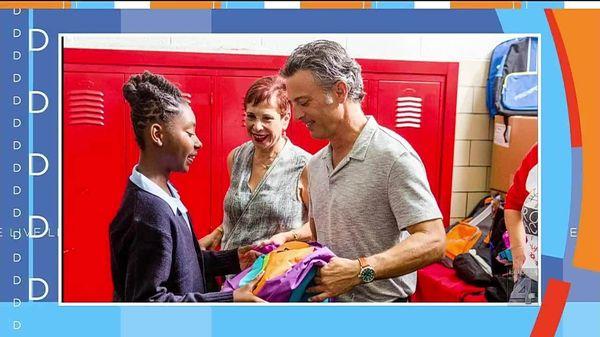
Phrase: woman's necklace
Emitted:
{"points": [[268, 161]]}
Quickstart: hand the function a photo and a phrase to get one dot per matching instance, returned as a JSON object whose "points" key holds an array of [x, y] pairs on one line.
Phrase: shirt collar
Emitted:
{"points": [[151, 187], [361, 144]]}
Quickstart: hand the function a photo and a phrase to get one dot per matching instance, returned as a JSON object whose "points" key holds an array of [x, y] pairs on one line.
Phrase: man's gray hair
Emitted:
{"points": [[329, 63]]}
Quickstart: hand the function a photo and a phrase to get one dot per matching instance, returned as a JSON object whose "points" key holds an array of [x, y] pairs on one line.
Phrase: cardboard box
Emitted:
{"points": [[508, 153]]}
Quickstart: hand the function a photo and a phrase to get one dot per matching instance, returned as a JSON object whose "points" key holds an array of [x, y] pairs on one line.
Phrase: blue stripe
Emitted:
{"points": [[159, 21], [10, 224], [542, 4], [393, 4], [584, 283], [555, 133], [355, 21], [93, 5], [192, 321], [30, 146], [242, 4], [380, 321]]}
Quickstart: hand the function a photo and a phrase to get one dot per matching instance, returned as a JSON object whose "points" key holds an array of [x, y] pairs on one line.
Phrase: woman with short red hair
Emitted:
{"points": [[268, 192]]}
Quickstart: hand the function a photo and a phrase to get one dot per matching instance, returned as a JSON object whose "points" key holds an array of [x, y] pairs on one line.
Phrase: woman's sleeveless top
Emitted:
{"points": [[273, 207]]}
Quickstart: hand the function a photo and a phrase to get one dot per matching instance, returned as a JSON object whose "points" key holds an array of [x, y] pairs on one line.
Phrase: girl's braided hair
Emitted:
{"points": [[153, 99]]}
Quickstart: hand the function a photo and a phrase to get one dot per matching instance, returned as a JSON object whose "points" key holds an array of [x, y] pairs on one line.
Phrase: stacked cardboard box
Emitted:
{"points": [[510, 147]]}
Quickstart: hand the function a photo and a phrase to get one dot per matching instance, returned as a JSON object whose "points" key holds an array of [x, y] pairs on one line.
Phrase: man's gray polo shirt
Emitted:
{"points": [[362, 207]]}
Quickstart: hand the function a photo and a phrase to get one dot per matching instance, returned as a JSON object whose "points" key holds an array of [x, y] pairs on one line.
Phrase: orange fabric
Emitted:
{"points": [[460, 239], [282, 259]]}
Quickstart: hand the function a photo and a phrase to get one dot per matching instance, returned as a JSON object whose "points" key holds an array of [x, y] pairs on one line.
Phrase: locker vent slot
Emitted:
{"points": [[408, 112], [86, 107]]}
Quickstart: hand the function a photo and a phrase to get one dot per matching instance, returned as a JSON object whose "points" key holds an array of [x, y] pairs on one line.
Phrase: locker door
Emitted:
{"points": [[94, 178], [413, 110]]}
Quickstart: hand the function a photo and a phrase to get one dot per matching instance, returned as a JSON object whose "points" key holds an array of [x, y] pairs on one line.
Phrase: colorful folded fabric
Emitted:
{"points": [[289, 269]]}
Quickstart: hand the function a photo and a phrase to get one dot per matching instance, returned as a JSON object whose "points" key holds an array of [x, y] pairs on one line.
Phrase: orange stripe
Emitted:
{"points": [[583, 60], [181, 4], [563, 58], [335, 4], [35, 4], [551, 309], [485, 4]]}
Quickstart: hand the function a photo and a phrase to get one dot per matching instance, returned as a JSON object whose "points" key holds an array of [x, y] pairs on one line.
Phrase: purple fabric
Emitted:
{"points": [[506, 239], [279, 289]]}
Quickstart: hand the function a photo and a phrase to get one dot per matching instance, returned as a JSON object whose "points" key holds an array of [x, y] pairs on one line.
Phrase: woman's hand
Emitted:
{"points": [[518, 259], [277, 239], [244, 294], [247, 256], [212, 240]]}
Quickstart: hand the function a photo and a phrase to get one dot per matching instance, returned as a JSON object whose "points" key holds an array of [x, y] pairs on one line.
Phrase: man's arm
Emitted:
{"points": [[425, 245]]}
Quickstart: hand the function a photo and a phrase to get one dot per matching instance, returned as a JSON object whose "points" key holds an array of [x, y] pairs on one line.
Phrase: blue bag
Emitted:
{"points": [[512, 86]]}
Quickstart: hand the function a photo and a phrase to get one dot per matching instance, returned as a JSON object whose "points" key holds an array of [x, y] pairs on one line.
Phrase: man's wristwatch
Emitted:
{"points": [[367, 273]]}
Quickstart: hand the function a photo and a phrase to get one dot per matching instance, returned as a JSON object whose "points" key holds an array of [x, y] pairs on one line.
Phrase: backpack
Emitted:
{"points": [[472, 269], [471, 233], [512, 85]]}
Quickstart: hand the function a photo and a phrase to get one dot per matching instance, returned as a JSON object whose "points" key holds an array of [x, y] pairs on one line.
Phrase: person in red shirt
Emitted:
{"points": [[521, 217]]}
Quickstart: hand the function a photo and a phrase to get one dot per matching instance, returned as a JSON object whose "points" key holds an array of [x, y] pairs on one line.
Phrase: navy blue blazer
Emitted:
{"points": [[156, 258]]}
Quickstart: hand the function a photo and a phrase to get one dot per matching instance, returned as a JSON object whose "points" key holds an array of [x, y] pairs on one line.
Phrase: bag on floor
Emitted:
{"points": [[471, 233], [472, 269]]}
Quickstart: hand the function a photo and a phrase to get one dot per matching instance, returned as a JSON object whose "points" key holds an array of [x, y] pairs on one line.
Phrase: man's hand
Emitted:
{"points": [[335, 278], [244, 294], [247, 256], [518, 259]]}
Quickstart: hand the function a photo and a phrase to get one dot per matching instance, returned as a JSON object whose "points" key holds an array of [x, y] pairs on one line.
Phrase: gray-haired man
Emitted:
{"points": [[368, 187]]}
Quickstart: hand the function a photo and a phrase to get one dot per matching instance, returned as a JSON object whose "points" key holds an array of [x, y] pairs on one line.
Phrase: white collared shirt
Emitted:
{"points": [[149, 186]]}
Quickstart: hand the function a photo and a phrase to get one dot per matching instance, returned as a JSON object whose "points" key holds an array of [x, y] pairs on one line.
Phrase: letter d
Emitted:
{"points": [[44, 96], [44, 283], [42, 172], [42, 219], [37, 30]]}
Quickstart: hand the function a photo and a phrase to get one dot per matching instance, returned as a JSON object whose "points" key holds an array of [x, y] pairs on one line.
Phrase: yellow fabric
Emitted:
{"points": [[282, 259], [460, 239]]}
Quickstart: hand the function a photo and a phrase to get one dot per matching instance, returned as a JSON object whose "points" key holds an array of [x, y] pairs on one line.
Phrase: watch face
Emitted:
{"points": [[367, 275]]}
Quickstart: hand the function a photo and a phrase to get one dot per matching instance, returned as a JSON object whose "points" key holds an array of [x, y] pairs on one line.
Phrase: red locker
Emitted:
{"points": [[94, 177], [416, 99], [412, 109]]}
